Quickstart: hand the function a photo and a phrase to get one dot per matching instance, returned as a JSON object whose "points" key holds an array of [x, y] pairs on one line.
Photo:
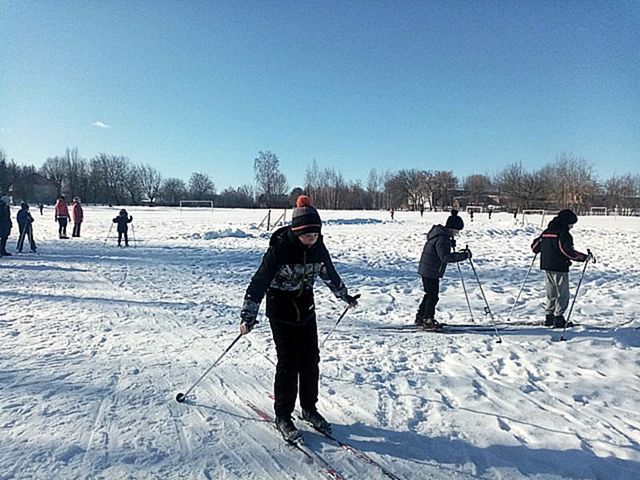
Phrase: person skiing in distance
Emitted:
{"points": [[437, 252], [295, 258], [555, 246], [78, 216], [123, 220], [25, 226], [5, 224], [62, 216], [41, 207]]}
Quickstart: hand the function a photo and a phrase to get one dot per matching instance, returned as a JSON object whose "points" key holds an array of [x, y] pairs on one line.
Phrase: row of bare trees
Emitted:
{"points": [[567, 182]]}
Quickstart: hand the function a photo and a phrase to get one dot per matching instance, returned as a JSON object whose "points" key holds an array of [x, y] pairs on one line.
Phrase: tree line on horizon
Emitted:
{"points": [[568, 182]]}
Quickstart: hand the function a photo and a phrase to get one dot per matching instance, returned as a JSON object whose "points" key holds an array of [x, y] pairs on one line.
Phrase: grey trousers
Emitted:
{"points": [[557, 292]]}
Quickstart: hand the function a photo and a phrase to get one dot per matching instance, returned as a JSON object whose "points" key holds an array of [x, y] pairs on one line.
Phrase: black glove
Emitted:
{"points": [[351, 300], [248, 320]]}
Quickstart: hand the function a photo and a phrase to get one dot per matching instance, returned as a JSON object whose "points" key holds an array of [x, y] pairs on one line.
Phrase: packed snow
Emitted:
{"points": [[98, 340]]}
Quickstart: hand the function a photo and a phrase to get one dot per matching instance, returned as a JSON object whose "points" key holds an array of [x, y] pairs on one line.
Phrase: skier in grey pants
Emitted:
{"points": [[555, 247]]}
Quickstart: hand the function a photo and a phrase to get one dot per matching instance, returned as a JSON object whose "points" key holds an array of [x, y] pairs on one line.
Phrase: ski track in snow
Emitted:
{"points": [[98, 340]]}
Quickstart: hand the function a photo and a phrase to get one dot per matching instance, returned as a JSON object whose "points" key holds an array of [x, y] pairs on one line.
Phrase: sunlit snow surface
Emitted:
{"points": [[96, 341]]}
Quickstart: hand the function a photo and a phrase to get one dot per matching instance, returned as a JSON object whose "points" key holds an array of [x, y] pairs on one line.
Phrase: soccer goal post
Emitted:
{"points": [[474, 208], [531, 216], [196, 203], [599, 211]]}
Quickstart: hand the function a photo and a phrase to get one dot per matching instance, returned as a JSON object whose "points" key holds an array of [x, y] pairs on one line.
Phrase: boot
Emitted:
{"points": [[431, 324], [559, 322], [317, 421], [419, 321], [548, 321], [285, 426]]}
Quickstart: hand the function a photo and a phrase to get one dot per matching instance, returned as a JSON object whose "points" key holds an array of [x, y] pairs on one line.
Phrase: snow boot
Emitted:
{"points": [[548, 321], [431, 324], [419, 321], [559, 322], [288, 430], [317, 421]]}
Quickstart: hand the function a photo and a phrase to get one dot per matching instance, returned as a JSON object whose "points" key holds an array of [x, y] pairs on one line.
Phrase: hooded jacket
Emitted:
{"points": [[286, 276], [437, 253], [555, 246]]}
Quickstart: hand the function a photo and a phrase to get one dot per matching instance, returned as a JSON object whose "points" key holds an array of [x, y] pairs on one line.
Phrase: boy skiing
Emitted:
{"points": [[437, 252], [295, 257], [25, 221], [123, 219], [555, 246]]}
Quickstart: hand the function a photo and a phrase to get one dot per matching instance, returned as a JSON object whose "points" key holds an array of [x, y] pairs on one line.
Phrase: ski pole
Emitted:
{"points": [[487, 309], [339, 320], [465, 292], [109, 233], [586, 262], [522, 287], [180, 397], [133, 234]]}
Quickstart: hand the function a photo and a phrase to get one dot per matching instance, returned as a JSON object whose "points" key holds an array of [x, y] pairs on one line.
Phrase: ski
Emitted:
{"points": [[445, 328], [324, 467], [359, 454]]}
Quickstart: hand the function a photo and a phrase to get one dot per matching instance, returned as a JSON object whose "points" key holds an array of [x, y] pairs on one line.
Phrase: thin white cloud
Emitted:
{"points": [[100, 125]]}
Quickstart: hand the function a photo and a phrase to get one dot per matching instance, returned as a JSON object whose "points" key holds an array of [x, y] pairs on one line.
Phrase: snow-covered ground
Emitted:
{"points": [[96, 341]]}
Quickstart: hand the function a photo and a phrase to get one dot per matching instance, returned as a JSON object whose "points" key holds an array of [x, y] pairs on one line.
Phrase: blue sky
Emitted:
{"points": [[468, 86]]}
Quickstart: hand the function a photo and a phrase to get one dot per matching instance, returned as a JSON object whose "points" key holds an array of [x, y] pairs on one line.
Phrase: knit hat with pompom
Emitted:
{"points": [[454, 221], [305, 218]]}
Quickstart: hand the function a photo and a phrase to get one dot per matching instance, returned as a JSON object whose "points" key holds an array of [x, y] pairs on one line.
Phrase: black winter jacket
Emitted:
{"points": [[122, 222], [555, 246], [437, 253], [5, 219], [286, 275]]}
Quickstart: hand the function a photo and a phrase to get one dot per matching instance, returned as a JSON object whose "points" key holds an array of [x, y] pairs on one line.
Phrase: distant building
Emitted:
{"points": [[34, 188]]}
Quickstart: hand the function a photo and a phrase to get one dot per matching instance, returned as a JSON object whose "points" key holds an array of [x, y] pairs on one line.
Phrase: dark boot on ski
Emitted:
{"points": [[317, 421], [559, 322], [288, 430], [548, 321], [419, 321], [432, 325]]}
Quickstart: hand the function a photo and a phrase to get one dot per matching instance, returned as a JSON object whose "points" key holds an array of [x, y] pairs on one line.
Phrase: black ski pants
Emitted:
{"points": [[298, 359], [76, 230], [26, 231], [126, 238], [430, 299], [62, 227]]}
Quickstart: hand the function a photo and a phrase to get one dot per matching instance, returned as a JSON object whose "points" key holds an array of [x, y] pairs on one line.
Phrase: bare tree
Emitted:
{"points": [[112, 169], [570, 181], [201, 187], [150, 181], [271, 182], [54, 169], [621, 192], [477, 186], [172, 190]]}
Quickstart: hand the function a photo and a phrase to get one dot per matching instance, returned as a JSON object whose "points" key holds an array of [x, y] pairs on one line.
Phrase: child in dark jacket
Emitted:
{"points": [[296, 256], [5, 224], [123, 220], [437, 252], [25, 221], [555, 246]]}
